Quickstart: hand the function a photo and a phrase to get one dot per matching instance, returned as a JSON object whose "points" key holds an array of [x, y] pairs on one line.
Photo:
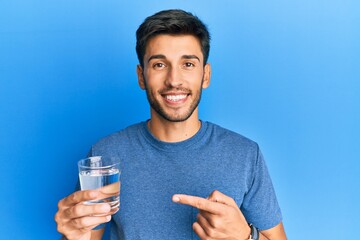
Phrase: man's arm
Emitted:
{"points": [[220, 217], [275, 233], [97, 234]]}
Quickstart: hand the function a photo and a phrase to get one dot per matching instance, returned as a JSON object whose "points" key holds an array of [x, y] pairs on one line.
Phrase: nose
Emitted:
{"points": [[173, 78]]}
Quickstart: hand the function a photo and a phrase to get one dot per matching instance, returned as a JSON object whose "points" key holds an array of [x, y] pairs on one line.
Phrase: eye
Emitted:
{"points": [[158, 65], [189, 65]]}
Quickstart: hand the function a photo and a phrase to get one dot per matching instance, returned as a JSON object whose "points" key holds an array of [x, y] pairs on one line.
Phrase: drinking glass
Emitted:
{"points": [[97, 172]]}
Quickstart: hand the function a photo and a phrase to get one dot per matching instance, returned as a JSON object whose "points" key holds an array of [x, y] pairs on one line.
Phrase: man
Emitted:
{"points": [[182, 178]]}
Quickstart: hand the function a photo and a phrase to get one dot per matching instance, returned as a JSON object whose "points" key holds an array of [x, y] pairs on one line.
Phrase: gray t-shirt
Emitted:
{"points": [[152, 171]]}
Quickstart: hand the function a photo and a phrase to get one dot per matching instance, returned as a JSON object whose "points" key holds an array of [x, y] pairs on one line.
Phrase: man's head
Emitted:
{"points": [[172, 22], [173, 47]]}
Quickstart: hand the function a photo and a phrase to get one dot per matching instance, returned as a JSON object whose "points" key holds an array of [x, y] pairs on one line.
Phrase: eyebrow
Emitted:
{"points": [[161, 56], [158, 56], [191, 57]]}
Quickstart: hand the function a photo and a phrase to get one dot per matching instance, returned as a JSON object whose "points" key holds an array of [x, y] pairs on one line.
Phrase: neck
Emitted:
{"points": [[167, 131]]}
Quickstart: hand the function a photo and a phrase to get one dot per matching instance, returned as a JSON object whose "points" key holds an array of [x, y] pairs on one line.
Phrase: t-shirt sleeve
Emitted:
{"points": [[260, 206]]}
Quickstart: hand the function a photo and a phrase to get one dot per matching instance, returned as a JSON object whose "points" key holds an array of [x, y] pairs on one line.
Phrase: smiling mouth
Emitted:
{"points": [[175, 98]]}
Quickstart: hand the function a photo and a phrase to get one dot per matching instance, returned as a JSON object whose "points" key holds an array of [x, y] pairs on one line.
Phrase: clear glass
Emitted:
{"points": [[98, 171]]}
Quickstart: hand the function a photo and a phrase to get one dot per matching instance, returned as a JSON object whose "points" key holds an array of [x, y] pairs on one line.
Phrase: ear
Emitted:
{"points": [[207, 76], [140, 75]]}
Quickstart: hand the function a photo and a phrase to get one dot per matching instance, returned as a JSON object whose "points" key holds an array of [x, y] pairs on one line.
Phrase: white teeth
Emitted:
{"points": [[175, 98]]}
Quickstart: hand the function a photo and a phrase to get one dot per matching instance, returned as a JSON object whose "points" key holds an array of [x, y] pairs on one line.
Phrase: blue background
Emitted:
{"points": [[285, 74]]}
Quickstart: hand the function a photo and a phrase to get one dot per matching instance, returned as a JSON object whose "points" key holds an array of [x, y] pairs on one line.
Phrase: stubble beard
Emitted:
{"points": [[155, 104]]}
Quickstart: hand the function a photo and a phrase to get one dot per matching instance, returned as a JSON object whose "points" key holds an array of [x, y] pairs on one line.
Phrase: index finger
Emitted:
{"points": [[199, 203], [79, 196]]}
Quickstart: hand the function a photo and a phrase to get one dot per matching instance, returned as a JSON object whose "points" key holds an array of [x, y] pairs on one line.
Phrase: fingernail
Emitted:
{"points": [[108, 218], [93, 194], [106, 208], [176, 198], [114, 211]]}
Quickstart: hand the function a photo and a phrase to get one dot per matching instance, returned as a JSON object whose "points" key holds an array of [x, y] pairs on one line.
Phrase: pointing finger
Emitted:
{"points": [[199, 203]]}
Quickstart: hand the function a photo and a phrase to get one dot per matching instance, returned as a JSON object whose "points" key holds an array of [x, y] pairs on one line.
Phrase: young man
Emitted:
{"points": [[182, 178]]}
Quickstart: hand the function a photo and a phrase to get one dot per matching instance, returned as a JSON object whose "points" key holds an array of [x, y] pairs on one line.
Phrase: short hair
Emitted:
{"points": [[172, 22]]}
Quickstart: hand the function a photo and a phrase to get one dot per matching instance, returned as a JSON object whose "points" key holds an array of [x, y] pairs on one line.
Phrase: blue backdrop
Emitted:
{"points": [[285, 74]]}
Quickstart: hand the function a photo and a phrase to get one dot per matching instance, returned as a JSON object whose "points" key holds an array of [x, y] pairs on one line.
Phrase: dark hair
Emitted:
{"points": [[173, 22]]}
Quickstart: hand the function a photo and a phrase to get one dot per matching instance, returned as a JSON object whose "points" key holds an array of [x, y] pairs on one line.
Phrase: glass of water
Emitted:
{"points": [[98, 171]]}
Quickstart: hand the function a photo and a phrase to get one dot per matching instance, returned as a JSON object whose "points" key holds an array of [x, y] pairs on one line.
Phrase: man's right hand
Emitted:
{"points": [[75, 219]]}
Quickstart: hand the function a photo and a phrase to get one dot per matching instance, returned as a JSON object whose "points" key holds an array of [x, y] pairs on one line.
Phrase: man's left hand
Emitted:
{"points": [[219, 216]]}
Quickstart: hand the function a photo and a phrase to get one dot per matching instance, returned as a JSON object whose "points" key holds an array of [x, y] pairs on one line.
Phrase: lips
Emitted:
{"points": [[175, 98]]}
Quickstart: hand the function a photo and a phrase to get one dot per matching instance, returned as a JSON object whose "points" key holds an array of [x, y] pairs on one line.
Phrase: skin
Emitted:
{"points": [[174, 67], [220, 218], [75, 219], [173, 77]]}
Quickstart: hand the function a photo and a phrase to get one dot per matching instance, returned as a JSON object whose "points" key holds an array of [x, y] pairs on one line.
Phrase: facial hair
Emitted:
{"points": [[155, 104]]}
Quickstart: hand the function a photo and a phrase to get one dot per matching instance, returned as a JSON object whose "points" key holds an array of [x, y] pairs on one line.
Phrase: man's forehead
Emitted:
{"points": [[179, 46]]}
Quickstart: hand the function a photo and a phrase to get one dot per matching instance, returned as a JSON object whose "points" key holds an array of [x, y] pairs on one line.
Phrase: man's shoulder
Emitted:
{"points": [[223, 132], [120, 136], [227, 136]]}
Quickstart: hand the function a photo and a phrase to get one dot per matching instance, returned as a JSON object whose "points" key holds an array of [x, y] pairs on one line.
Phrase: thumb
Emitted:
{"points": [[217, 196]]}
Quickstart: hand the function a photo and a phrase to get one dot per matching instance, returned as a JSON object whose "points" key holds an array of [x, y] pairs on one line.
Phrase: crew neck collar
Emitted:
{"points": [[173, 146]]}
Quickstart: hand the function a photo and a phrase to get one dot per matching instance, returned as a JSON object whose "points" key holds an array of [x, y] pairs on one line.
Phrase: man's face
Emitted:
{"points": [[173, 76]]}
